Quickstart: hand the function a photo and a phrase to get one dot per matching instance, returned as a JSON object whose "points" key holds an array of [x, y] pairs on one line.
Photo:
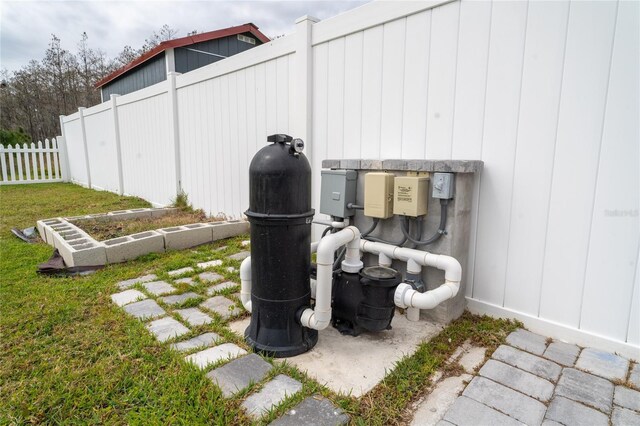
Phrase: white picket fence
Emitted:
{"points": [[32, 163]]}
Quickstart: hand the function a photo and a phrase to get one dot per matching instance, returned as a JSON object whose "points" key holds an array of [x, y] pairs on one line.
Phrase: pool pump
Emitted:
{"points": [[287, 307]]}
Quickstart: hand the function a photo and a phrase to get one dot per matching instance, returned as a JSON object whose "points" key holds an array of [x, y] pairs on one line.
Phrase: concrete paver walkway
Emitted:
{"points": [[532, 381]]}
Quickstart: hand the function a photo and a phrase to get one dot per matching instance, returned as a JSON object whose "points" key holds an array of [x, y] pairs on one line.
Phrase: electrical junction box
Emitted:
{"points": [[337, 190], [443, 186], [378, 195], [410, 195]]}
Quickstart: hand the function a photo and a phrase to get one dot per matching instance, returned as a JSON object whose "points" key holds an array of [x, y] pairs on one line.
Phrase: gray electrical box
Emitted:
{"points": [[337, 189], [443, 185]]}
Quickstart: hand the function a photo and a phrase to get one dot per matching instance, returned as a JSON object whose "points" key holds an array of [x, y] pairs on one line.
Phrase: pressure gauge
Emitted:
{"points": [[298, 145]]}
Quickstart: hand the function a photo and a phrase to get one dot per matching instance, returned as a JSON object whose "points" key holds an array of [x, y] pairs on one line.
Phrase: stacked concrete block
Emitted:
{"points": [[76, 247], [131, 246], [182, 237], [229, 228]]}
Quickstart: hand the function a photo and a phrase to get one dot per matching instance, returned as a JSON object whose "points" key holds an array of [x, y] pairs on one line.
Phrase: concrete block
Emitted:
{"points": [[45, 228], [201, 341], [272, 394], [627, 398], [158, 288], [182, 237], [586, 388], [634, 376], [436, 403], [624, 417], [128, 214], [603, 364], [132, 246], [210, 277], [227, 229], [146, 309], [166, 328], [466, 411], [239, 374], [81, 253], [313, 410], [519, 380], [126, 297], [222, 306], [528, 341], [520, 407], [527, 362], [194, 316], [562, 353], [240, 256], [567, 412], [219, 287], [180, 271], [123, 285], [162, 211], [213, 355], [472, 358], [187, 280], [178, 299]]}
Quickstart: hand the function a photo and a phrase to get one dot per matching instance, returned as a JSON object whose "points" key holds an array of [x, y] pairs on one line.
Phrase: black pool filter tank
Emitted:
{"points": [[280, 214]]}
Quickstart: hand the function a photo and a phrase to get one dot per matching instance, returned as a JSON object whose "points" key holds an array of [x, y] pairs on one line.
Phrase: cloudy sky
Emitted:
{"points": [[26, 26]]}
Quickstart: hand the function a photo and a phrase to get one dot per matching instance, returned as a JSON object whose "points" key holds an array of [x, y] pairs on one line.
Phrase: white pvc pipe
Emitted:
{"points": [[332, 223], [319, 317], [245, 283], [407, 297]]}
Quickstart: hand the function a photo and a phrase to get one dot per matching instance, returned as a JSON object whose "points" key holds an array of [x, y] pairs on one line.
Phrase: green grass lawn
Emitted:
{"points": [[68, 355]]}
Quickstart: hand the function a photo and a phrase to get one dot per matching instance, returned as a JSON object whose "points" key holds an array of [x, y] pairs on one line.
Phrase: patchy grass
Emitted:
{"points": [[69, 356], [104, 230]]}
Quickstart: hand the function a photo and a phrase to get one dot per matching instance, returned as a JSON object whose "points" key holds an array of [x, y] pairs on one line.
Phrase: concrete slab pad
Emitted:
{"points": [[528, 341], [624, 417], [436, 404], [568, 412], [239, 326], [127, 296], [466, 411], [356, 364], [506, 400], [517, 379], [562, 353], [166, 328], [212, 355], [239, 374], [627, 398], [201, 341], [210, 277], [272, 394], [245, 243], [187, 280], [603, 364], [231, 269], [586, 388], [194, 316], [209, 264], [240, 256], [179, 298], [123, 285], [219, 287], [158, 288], [222, 306], [313, 411], [527, 362], [180, 271], [146, 309]]}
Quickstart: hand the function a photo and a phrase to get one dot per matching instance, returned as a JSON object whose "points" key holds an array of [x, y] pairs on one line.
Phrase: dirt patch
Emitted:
{"points": [[106, 230]]}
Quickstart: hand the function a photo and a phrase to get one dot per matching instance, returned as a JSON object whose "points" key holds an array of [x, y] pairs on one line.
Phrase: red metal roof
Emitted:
{"points": [[184, 41]]}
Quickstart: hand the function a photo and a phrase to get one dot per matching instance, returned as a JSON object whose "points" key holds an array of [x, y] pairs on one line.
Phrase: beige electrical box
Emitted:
{"points": [[378, 195], [410, 195]]}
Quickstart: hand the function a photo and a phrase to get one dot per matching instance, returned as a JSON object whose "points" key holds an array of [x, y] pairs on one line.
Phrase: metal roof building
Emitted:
{"points": [[180, 55]]}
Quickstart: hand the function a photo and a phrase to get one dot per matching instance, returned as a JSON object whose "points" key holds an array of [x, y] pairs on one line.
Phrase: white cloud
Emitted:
{"points": [[26, 26]]}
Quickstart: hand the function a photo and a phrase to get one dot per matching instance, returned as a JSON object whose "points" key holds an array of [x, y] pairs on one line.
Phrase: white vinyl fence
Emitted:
{"points": [[31, 163], [545, 93]]}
